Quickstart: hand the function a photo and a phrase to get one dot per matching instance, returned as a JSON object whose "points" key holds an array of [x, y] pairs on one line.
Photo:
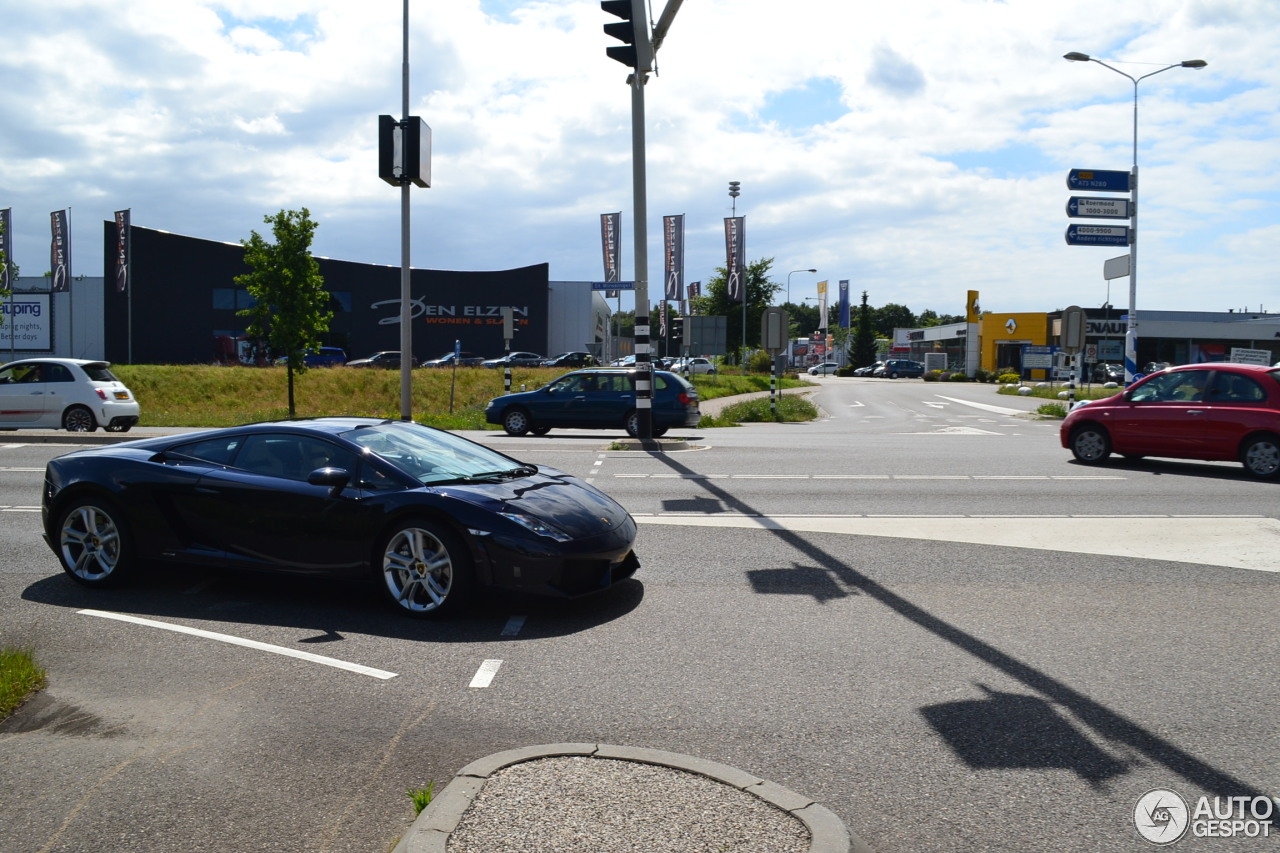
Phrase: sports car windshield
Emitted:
{"points": [[434, 457]]}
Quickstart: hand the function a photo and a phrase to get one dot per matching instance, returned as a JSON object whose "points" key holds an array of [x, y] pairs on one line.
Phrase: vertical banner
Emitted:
{"points": [[673, 233], [735, 249], [122, 251], [693, 291], [6, 246], [844, 303], [822, 306], [662, 319], [60, 251], [611, 240]]}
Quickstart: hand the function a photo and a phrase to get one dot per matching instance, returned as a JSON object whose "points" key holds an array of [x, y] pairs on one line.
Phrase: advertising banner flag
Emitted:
{"points": [[60, 251], [122, 251], [6, 246], [844, 303], [735, 250], [673, 232], [611, 240], [662, 319], [822, 306]]}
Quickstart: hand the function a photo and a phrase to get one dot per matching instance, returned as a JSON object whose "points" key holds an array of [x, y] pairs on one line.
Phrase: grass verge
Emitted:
{"points": [[791, 408], [20, 676], [202, 395]]}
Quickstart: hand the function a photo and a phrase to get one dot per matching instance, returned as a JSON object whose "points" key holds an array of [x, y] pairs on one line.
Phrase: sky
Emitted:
{"points": [[918, 149]]}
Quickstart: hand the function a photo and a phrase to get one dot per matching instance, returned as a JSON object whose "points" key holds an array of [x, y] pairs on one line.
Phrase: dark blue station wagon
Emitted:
{"points": [[599, 398]]}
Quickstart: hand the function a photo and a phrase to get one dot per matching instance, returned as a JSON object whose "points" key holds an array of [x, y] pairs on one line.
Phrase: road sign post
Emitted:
{"points": [[1098, 235]]}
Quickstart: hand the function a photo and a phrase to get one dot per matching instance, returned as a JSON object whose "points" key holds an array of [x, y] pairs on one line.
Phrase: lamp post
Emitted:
{"points": [[791, 354], [793, 272], [1131, 327]]}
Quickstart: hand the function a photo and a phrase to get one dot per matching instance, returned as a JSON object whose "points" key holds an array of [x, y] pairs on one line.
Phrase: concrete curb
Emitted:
{"points": [[430, 832]]}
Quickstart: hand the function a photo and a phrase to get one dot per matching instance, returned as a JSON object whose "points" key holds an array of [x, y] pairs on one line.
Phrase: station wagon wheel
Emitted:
{"points": [[540, 430], [632, 424], [659, 432], [1261, 456], [1090, 444], [426, 570], [78, 419], [93, 544], [516, 422]]}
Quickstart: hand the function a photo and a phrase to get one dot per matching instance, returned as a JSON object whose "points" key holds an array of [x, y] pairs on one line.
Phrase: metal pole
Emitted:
{"points": [[644, 374], [406, 330]]}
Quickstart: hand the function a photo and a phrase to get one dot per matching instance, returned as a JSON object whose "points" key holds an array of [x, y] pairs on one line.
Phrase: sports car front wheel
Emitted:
{"points": [[93, 544], [426, 570]]}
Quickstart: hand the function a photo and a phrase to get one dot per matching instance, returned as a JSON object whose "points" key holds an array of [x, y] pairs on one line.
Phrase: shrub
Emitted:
{"points": [[760, 362], [984, 375], [1009, 379], [955, 376], [933, 376]]}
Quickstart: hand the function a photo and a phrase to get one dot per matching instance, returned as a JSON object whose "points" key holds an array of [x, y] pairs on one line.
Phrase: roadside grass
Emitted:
{"points": [[20, 676], [204, 395], [1058, 408], [790, 409]]}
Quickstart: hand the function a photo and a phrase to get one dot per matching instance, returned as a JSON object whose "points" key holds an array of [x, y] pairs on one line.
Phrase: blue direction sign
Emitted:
{"points": [[1097, 235], [1098, 208], [613, 285], [1098, 180]]}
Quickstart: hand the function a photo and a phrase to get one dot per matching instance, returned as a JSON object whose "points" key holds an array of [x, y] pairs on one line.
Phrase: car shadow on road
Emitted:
{"points": [[1230, 471], [324, 611], [959, 724]]}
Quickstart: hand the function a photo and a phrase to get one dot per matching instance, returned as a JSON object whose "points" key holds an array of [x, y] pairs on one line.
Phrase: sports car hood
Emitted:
{"points": [[577, 508]]}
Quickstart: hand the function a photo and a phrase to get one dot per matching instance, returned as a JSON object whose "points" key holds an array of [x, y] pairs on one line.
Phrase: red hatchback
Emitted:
{"points": [[1220, 411]]}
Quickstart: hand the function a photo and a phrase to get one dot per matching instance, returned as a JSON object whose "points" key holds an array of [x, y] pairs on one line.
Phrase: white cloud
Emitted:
{"points": [[937, 163]]}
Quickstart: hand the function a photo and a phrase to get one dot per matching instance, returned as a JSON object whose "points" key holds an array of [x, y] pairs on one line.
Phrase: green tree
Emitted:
{"points": [[291, 307], [891, 316], [864, 336], [760, 292]]}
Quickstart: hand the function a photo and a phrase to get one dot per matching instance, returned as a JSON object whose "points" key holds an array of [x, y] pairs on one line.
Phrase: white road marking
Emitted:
{"points": [[486, 672], [513, 626], [1240, 542], [986, 407], [19, 509], [862, 477], [249, 644]]}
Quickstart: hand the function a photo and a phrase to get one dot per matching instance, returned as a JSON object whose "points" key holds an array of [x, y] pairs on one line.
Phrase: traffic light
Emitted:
{"points": [[677, 330], [632, 31]]}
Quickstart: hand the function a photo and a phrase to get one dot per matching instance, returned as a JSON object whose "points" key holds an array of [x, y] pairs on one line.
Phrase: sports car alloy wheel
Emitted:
{"points": [[425, 568], [91, 543]]}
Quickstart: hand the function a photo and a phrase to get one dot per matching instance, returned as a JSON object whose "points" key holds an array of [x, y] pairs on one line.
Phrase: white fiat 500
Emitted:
{"points": [[74, 394]]}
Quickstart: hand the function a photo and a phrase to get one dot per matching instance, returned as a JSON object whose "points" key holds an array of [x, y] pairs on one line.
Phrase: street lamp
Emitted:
{"points": [[1131, 327], [793, 272]]}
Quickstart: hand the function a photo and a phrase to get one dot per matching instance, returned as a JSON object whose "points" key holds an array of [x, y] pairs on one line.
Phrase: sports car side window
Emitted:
{"points": [[219, 451]]}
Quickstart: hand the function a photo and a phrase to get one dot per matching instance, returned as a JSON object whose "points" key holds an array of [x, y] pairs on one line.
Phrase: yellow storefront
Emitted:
{"points": [[1004, 335]]}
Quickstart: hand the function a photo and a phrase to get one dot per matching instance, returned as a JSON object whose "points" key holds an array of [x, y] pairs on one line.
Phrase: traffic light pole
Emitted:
{"points": [[644, 365]]}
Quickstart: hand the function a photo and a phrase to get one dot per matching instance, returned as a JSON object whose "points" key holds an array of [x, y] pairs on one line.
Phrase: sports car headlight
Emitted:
{"points": [[538, 526]]}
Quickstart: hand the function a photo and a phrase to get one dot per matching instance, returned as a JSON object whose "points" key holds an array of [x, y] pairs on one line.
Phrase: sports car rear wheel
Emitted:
{"points": [[93, 544], [426, 570]]}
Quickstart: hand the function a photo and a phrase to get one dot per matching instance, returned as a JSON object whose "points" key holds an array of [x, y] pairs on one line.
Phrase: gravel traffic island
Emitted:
{"points": [[588, 798]]}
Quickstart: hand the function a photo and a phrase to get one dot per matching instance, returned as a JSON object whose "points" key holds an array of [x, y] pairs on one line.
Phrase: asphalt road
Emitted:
{"points": [[916, 610]]}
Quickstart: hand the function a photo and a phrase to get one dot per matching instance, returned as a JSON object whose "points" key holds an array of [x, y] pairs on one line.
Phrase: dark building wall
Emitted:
{"points": [[182, 303]]}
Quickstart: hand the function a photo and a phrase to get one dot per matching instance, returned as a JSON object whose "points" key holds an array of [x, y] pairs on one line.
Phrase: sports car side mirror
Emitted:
{"points": [[334, 478]]}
